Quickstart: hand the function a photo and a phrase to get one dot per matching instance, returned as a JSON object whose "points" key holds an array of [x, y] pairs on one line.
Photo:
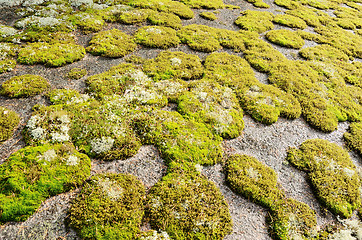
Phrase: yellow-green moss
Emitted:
{"points": [[110, 206], [88, 22], [290, 21], [312, 17], [255, 21], [9, 120], [169, 65], [8, 53], [165, 19], [331, 173], [7, 65], [323, 52], [353, 137], [188, 206], [289, 4], [206, 4], [33, 174], [157, 37], [133, 16], [53, 55], [200, 37], [24, 86], [76, 73], [236, 40], [208, 16], [285, 38], [111, 43]]}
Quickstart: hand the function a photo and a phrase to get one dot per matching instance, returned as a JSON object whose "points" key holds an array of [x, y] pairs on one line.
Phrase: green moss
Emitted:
{"points": [[285, 38], [351, 72], [214, 105], [188, 206], [49, 24], [323, 52], [7, 65], [255, 21], [135, 59], [236, 40], [65, 96], [9, 120], [169, 65], [165, 19], [289, 4], [346, 24], [208, 16], [111, 43], [110, 14], [49, 37], [157, 37], [172, 88], [33, 174], [353, 137], [200, 37], [207, 4], [133, 16], [290, 21], [53, 55], [76, 73], [331, 173], [312, 17], [24, 86], [87, 22], [110, 206]]}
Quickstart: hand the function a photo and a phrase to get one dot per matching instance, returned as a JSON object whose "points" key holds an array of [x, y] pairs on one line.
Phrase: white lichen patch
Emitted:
{"points": [[6, 31], [78, 3], [101, 145], [157, 236], [198, 168], [253, 173], [170, 87], [48, 156], [72, 160], [349, 172], [154, 30], [175, 61], [110, 188]]}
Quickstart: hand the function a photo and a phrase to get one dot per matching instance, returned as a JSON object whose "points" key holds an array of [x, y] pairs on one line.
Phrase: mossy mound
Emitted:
{"points": [[24, 86], [206, 4], [111, 43], [188, 206], [255, 21], [290, 21], [7, 65], [165, 19], [8, 34], [200, 37], [53, 55], [8, 53], [236, 40], [288, 4], [288, 218], [323, 52], [208, 16], [331, 173], [133, 16], [47, 24], [110, 206], [9, 120], [87, 22], [157, 37], [285, 38], [76, 73], [353, 137], [169, 65], [33, 174], [312, 17], [214, 105]]}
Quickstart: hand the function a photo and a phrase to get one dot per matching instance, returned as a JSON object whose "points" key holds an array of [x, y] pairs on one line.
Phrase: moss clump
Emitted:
{"points": [[331, 173], [157, 37], [9, 120], [33, 174], [289, 4], [111, 43], [76, 73], [53, 55], [110, 206], [24, 86], [353, 137], [206, 4], [289, 219], [87, 22], [208, 16], [200, 37], [169, 65], [255, 21], [133, 16], [214, 105], [165, 19], [7, 65], [323, 52], [290, 21], [236, 40], [8, 52], [312, 17], [188, 206], [47, 24], [285, 38]]}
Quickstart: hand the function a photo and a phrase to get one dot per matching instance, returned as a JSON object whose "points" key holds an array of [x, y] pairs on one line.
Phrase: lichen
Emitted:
{"points": [[24, 86], [157, 37], [9, 120]]}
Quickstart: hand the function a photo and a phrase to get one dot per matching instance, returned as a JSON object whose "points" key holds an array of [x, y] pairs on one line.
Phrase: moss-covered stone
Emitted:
{"points": [[111, 43], [323, 52], [9, 120], [157, 37], [290, 21], [169, 65], [110, 206], [285, 38], [24, 86], [353, 137], [33, 174], [208, 16], [165, 19], [200, 37], [331, 173], [76, 73], [214, 105], [188, 206], [255, 21], [53, 55]]}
